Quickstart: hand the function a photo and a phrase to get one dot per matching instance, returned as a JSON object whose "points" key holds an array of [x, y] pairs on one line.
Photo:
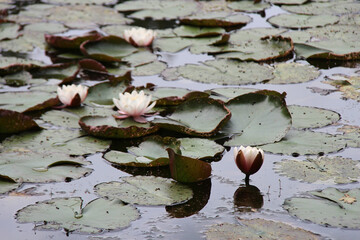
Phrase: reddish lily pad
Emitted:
{"points": [[15, 122], [196, 117], [109, 127], [70, 42], [186, 169]]}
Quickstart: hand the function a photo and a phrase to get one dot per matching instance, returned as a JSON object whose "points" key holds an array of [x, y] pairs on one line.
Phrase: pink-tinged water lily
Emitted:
{"points": [[249, 160], [139, 37], [72, 95], [135, 105]]}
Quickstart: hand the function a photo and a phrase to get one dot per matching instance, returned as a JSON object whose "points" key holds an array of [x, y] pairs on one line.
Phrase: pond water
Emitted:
{"points": [[217, 201]]}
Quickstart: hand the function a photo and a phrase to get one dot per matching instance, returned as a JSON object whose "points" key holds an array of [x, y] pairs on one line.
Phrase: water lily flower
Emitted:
{"points": [[135, 105], [72, 95], [139, 37], [249, 160]]}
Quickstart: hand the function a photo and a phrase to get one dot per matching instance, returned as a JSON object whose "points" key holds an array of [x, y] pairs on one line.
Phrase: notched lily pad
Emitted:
{"points": [[145, 190], [321, 170], [329, 207], [97, 216], [200, 148], [258, 228], [196, 117], [15, 122], [109, 127]]}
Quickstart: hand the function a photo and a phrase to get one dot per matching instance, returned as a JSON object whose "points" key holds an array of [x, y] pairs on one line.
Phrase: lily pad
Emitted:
{"points": [[186, 169], [310, 117], [7, 185], [226, 72], [297, 21], [322, 170], [8, 30], [329, 207], [257, 118], [325, 7], [347, 85], [287, 2], [248, 6], [293, 73], [145, 190], [153, 68], [351, 135], [196, 117], [103, 93], [258, 228], [69, 214], [19, 79], [306, 142], [158, 9], [28, 166], [200, 148], [109, 127], [227, 93], [108, 49], [61, 118], [14, 64], [192, 31], [81, 2], [65, 72], [15, 122], [70, 42]]}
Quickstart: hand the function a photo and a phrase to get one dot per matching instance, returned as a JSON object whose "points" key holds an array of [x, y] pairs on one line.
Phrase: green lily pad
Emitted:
{"points": [[13, 64], [140, 57], [66, 72], [103, 93], [329, 207], [224, 94], [109, 127], [45, 27], [108, 49], [287, 2], [196, 117], [296, 21], [192, 31], [186, 169], [293, 73], [258, 228], [61, 118], [351, 134], [306, 142], [27, 166], [22, 78], [9, 30], [216, 19], [200, 148], [257, 118], [68, 213], [81, 2], [248, 6], [310, 117], [321, 170], [63, 140], [325, 7], [153, 68], [226, 72], [158, 9], [15, 122], [144, 190], [7, 185]]}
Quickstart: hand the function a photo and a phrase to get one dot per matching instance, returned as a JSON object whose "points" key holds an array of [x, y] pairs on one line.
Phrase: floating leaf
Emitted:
{"points": [[325, 7], [327, 208], [257, 118], [258, 228], [61, 118], [186, 169], [321, 170], [248, 6], [158, 9], [192, 31], [13, 64], [348, 85], [153, 68], [226, 72], [145, 190], [103, 93], [227, 93], [7, 184], [109, 127], [81, 2], [287, 2], [293, 73], [15, 122], [196, 117], [200, 148], [296, 21], [8, 30], [67, 213], [28, 166], [351, 135], [310, 117], [70, 42], [306, 142]]}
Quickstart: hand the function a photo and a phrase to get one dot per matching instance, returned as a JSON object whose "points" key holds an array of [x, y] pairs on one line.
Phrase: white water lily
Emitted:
{"points": [[135, 105], [249, 160], [139, 37], [72, 95]]}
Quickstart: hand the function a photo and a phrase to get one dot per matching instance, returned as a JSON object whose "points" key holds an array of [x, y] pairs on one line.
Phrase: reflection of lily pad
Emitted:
{"points": [[293, 73], [68, 213], [321, 170], [297, 21], [109, 127], [196, 117], [258, 229], [310, 117], [306, 142], [144, 190], [328, 207], [257, 118]]}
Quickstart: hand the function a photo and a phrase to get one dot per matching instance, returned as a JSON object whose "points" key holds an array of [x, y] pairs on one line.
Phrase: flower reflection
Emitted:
{"points": [[248, 198]]}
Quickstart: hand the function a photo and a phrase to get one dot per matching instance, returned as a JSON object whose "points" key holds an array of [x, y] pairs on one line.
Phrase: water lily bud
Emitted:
{"points": [[249, 160], [72, 95], [139, 37], [135, 105]]}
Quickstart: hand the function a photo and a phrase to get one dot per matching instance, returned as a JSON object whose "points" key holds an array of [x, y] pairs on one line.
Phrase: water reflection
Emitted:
{"points": [[248, 199], [201, 197]]}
